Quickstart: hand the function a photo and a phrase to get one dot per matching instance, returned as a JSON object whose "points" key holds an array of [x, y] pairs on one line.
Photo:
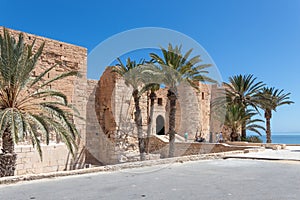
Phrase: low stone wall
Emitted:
{"points": [[110, 168], [244, 144], [55, 158], [184, 149], [273, 146]]}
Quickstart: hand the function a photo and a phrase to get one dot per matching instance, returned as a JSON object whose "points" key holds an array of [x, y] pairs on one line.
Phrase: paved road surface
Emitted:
{"points": [[213, 179]]}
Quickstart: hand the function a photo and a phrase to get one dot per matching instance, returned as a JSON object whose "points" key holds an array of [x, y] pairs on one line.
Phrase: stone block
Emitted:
{"points": [[276, 147]]}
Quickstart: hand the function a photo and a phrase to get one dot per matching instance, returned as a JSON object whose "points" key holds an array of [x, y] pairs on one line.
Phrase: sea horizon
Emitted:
{"points": [[285, 132], [282, 137]]}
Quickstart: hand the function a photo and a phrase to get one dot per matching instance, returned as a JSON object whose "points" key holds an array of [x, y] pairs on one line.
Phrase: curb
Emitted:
{"points": [[117, 167], [262, 158]]}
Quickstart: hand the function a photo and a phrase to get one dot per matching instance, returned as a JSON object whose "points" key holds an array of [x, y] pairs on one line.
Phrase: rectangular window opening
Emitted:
{"points": [[159, 101]]}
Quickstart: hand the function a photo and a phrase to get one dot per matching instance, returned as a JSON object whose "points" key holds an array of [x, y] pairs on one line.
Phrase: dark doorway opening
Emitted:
{"points": [[160, 125]]}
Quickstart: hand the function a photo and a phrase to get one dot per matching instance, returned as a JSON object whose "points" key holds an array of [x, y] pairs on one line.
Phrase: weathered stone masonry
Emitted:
{"points": [[111, 127], [69, 57], [108, 133]]}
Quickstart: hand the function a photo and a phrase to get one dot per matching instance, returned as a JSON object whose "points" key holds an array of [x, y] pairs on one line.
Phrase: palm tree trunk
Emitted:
{"points": [[234, 135], [8, 157], [138, 122], [7, 142], [268, 116], [150, 119], [244, 134], [172, 120]]}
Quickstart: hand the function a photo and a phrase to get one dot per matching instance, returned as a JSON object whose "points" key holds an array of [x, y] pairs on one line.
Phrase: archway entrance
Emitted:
{"points": [[160, 125]]}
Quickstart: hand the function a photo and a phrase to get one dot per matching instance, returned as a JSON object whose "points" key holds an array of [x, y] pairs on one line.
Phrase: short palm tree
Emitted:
{"points": [[242, 90], [270, 99], [176, 68], [27, 106], [236, 116], [152, 87], [131, 73]]}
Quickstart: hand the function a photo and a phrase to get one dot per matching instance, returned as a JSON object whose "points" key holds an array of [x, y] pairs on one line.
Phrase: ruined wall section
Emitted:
{"points": [[104, 102], [123, 107], [123, 110], [99, 148], [114, 111]]}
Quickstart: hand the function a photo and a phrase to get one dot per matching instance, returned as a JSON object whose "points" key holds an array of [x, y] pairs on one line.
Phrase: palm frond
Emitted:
{"points": [[41, 124], [34, 137], [26, 107], [177, 68], [44, 94], [61, 76], [61, 114], [39, 77]]}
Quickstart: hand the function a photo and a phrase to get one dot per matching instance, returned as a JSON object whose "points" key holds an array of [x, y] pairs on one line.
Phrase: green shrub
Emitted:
{"points": [[254, 139]]}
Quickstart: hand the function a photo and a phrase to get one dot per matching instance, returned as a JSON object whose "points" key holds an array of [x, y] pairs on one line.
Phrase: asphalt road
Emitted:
{"points": [[213, 179]]}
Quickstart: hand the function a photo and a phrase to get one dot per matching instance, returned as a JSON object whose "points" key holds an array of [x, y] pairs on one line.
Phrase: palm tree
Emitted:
{"points": [[153, 87], [176, 68], [236, 116], [27, 106], [131, 73], [270, 99], [242, 90]]}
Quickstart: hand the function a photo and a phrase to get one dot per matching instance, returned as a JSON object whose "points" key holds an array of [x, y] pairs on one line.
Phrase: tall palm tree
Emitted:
{"points": [[243, 90], [236, 116], [131, 73], [27, 106], [176, 68], [270, 99]]}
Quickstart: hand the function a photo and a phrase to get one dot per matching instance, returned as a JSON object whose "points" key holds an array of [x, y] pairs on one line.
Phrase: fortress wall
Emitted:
{"points": [[99, 148], [67, 57], [160, 110], [123, 107], [204, 98], [217, 116], [193, 111], [188, 112]]}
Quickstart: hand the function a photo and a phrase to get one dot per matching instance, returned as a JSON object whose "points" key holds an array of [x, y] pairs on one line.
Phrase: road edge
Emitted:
{"points": [[117, 167]]}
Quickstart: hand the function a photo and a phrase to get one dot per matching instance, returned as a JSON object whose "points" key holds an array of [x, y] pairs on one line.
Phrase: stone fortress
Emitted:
{"points": [[110, 116], [108, 133]]}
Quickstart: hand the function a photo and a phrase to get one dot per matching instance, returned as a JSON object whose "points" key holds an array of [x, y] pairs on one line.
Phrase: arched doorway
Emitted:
{"points": [[160, 125]]}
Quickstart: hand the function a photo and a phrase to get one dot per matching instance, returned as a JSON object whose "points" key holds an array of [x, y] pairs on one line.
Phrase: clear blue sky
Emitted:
{"points": [[260, 37]]}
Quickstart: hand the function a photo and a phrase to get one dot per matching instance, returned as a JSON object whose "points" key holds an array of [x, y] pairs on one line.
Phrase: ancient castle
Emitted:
{"points": [[108, 131]]}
